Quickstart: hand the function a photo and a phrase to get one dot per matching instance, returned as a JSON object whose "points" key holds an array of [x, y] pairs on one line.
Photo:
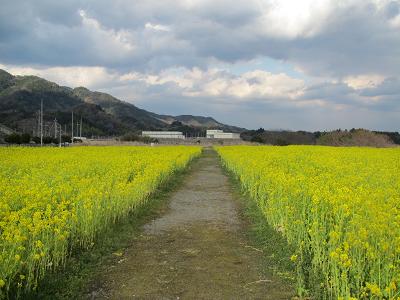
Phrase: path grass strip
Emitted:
{"points": [[263, 237]]}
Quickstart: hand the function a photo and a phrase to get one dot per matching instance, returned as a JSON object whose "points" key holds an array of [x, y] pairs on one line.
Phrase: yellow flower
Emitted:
{"points": [[374, 289], [39, 244], [338, 206], [48, 205]]}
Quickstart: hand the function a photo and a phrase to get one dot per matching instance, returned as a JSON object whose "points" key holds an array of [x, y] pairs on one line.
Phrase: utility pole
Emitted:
{"points": [[60, 137], [77, 128], [41, 122], [80, 132], [55, 128], [72, 128], [38, 123]]}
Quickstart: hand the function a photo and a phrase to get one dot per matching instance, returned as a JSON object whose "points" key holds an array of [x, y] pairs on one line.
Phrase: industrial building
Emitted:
{"points": [[164, 134], [220, 134]]}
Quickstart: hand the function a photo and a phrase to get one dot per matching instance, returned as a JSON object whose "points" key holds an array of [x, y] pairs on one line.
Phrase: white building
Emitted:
{"points": [[164, 134], [220, 134]]}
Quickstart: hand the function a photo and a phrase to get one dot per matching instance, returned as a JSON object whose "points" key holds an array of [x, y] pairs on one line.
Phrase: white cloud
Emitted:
{"points": [[213, 84], [364, 81], [91, 77], [120, 41], [220, 83], [287, 18], [395, 22], [157, 27]]}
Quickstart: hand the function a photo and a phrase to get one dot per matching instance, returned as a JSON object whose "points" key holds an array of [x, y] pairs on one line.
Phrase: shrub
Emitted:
{"points": [[65, 139], [257, 139], [36, 139], [131, 137], [47, 140], [13, 138], [25, 138]]}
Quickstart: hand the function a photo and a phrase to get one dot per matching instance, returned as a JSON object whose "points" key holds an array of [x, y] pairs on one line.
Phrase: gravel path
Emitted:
{"points": [[197, 249]]}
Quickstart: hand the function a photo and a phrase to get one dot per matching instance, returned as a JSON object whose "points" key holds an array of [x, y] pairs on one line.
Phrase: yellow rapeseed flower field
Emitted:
{"points": [[339, 207], [55, 199]]}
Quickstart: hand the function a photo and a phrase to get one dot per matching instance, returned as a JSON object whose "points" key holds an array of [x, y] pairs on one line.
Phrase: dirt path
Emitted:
{"points": [[196, 250]]}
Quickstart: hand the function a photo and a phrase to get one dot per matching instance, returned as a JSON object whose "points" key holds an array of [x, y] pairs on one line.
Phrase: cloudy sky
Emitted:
{"points": [[277, 64]]}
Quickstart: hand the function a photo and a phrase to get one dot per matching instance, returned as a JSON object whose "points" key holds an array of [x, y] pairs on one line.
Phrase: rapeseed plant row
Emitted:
{"points": [[53, 200], [340, 207]]}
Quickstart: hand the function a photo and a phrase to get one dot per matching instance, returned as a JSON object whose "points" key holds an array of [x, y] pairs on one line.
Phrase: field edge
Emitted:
{"points": [[83, 266], [262, 236]]}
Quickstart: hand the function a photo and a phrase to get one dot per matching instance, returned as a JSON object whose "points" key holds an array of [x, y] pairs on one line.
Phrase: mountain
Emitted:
{"points": [[102, 114]]}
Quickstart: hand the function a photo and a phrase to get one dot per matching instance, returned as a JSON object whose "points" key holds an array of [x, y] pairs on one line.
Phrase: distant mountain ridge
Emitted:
{"points": [[102, 114]]}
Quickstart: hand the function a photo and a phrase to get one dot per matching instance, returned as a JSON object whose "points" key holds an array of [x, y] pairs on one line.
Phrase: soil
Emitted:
{"points": [[196, 249]]}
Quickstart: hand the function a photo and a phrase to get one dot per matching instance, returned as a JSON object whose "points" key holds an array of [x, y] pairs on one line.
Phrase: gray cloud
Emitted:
{"points": [[331, 91], [354, 39], [150, 38], [389, 87]]}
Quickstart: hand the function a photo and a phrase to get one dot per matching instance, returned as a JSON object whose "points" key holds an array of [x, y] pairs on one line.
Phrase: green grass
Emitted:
{"points": [[84, 265], [276, 250]]}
